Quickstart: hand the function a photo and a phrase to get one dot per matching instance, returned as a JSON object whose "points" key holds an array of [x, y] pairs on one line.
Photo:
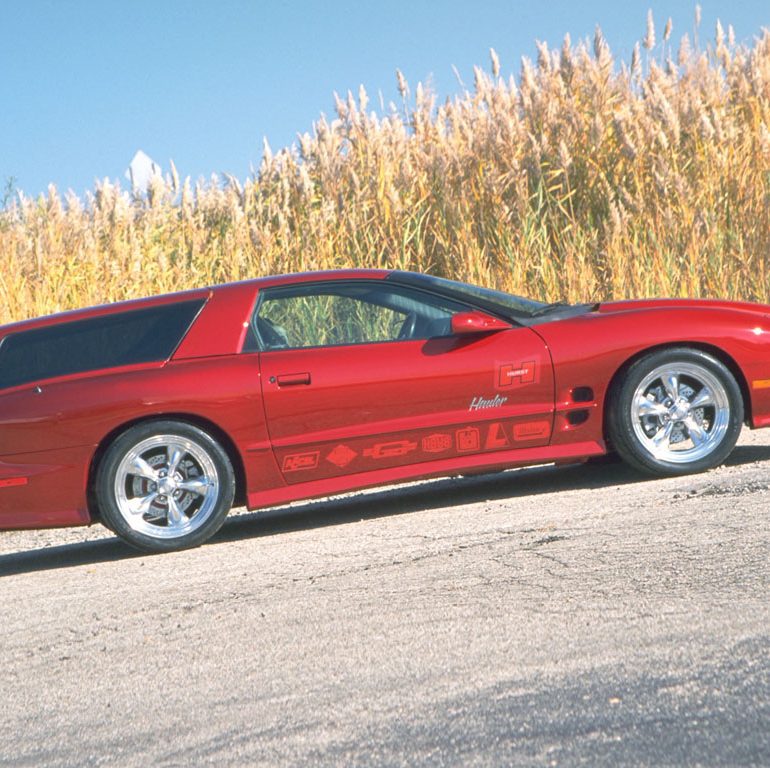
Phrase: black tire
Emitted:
{"points": [[663, 436], [155, 512]]}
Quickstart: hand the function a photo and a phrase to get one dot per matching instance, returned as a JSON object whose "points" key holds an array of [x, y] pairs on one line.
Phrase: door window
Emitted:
{"points": [[337, 314]]}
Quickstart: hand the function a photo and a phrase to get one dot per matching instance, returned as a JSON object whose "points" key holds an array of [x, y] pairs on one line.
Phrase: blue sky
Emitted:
{"points": [[86, 83]]}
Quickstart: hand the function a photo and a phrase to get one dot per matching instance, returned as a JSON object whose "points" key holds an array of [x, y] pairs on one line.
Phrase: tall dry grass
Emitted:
{"points": [[584, 178]]}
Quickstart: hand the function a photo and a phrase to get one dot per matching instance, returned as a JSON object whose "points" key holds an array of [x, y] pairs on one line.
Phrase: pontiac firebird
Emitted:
{"points": [[156, 416]]}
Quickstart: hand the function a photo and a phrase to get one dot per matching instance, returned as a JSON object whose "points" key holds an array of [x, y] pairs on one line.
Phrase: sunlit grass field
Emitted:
{"points": [[582, 178]]}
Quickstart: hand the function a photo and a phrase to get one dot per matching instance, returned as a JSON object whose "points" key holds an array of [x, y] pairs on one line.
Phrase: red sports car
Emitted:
{"points": [[156, 416]]}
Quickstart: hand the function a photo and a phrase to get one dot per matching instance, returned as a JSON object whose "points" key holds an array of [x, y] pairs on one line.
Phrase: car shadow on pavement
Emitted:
{"points": [[65, 556], [747, 454], [435, 494]]}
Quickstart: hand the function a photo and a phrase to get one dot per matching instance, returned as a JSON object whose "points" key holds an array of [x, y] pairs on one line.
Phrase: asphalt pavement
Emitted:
{"points": [[547, 617]]}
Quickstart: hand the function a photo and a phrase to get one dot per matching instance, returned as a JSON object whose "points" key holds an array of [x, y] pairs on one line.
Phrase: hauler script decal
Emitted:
{"points": [[479, 403]]}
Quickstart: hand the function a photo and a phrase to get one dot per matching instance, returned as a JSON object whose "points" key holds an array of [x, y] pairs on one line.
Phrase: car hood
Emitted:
{"points": [[635, 305]]}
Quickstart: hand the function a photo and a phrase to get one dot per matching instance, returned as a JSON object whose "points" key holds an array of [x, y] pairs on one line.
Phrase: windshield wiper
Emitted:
{"points": [[550, 307]]}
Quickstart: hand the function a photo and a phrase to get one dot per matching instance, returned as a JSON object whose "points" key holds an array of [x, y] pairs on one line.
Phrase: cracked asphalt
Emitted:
{"points": [[548, 616]]}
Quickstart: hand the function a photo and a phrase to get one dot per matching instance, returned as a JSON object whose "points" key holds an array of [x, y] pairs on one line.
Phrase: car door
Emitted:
{"points": [[364, 375]]}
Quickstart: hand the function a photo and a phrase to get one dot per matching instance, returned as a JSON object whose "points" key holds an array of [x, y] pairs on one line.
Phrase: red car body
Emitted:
{"points": [[300, 423]]}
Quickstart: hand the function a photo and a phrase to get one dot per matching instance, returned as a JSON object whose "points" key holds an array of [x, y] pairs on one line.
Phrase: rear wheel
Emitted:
{"points": [[674, 412], [165, 485]]}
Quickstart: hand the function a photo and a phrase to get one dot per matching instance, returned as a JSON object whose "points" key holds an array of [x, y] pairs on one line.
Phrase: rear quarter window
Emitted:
{"points": [[124, 338]]}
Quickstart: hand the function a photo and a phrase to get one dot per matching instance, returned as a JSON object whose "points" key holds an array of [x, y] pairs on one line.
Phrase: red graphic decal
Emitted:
{"points": [[296, 461], [496, 437], [341, 456], [532, 430], [510, 374], [387, 450], [437, 443], [467, 439], [12, 481]]}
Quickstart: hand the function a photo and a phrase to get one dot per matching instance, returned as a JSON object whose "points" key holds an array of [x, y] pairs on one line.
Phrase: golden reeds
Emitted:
{"points": [[583, 179]]}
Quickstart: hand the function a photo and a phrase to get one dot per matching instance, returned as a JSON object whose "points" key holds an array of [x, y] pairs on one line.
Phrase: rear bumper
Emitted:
{"points": [[45, 489]]}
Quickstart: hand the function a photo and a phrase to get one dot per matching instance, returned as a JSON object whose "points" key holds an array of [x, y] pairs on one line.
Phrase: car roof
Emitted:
{"points": [[258, 283], [315, 276]]}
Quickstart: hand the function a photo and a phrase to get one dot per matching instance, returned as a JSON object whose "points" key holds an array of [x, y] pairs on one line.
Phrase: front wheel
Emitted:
{"points": [[164, 485], [674, 412]]}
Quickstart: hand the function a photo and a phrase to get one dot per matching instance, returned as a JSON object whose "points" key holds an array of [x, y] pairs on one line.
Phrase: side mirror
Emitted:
{"points": [[464, 323]]}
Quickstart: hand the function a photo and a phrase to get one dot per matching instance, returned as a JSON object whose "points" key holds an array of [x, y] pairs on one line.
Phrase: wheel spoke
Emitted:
{"points": [[175, 514], [647, 407], [663, 435], [670, 381], [698, 435], [141, 468], [140, 505], [704, 397], [197, 485], [175, 455]]}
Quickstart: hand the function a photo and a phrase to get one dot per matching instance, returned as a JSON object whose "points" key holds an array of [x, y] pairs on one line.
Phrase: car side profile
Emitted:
{"points": [[156, 416]]}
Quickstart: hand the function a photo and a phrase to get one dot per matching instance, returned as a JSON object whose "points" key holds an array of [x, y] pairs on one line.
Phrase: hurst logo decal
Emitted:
{"points": [[511, 374]]}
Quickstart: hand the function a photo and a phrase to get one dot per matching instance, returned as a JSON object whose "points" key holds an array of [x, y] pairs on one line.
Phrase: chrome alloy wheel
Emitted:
{"points": [[680, 412], [166, 486]]}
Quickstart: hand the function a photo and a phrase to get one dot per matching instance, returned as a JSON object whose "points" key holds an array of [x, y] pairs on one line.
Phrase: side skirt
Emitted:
{"points": [[482, 462]]}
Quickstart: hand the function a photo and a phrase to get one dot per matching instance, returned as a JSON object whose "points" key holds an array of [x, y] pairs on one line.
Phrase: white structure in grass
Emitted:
{"points": [[141, 170]]}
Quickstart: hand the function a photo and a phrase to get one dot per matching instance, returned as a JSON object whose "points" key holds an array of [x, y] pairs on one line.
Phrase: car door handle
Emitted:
{"points": [[293, 379]]}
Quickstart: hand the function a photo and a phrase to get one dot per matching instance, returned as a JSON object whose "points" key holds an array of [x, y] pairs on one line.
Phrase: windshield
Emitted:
{"points": [[496, 301]]}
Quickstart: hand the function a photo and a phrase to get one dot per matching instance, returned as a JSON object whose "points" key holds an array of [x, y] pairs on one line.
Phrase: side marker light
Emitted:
{"points": [[10, 482]]}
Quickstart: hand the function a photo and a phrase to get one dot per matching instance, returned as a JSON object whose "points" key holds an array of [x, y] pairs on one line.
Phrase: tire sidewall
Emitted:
{"points": [[105, 483]]}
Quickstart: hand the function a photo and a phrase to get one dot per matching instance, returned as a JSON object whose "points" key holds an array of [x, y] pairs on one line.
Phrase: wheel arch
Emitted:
{"points": [[219, 434], [717, 352]]}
